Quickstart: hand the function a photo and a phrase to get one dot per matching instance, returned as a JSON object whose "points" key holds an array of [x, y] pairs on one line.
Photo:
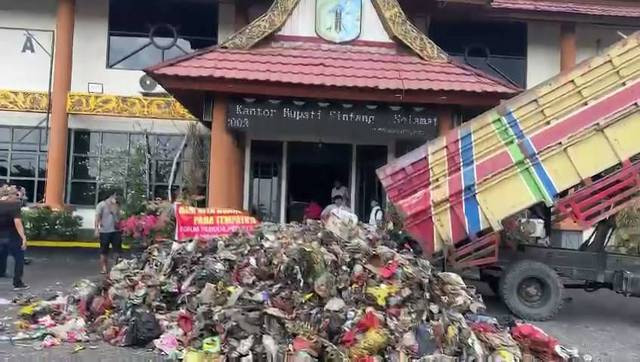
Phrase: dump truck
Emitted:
{"points": [[559, 160]]}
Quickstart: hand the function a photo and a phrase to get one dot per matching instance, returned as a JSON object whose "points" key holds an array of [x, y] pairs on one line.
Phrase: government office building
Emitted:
{"points": [[291, 94]]}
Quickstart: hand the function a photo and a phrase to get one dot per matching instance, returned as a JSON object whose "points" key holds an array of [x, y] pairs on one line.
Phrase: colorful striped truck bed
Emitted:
{"points": [[523, 152]]}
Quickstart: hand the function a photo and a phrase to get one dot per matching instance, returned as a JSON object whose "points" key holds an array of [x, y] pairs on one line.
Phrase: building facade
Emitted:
{"points": [[73, 89]]}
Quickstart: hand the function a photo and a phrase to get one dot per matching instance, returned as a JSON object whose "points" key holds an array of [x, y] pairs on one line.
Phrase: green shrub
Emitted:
{"points": [[43, 223]]}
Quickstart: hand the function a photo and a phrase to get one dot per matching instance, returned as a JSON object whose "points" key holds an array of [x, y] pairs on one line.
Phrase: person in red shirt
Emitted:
{"points": [[312, 211]]}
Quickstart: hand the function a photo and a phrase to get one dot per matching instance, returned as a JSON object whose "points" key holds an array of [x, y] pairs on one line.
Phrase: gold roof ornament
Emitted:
{"points": [[393, 19], [265, 25], [398, 26]]}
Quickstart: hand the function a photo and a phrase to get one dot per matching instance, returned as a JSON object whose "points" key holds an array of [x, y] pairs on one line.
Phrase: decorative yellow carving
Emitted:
{"points": [[97, 104], [21, 101], [121, 106], [398, 25], [265, 25]]}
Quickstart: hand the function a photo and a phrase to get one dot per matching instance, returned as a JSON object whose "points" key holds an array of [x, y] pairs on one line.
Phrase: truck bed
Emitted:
{"points": [[524, 152]]}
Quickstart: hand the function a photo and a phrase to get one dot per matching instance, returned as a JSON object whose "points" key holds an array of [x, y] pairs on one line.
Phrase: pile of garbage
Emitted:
{"points": [[296, 292]]}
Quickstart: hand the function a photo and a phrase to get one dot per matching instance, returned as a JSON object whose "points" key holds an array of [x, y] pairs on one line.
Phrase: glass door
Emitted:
{"points": [[368, 187], [265, 180]]}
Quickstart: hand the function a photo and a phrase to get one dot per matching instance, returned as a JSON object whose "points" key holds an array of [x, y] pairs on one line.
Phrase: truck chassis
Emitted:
{"points": [[530, 279]]}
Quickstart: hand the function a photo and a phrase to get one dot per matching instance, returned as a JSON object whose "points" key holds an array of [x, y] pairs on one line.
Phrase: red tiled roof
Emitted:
{"points": [[295, 61], [575, 7]]}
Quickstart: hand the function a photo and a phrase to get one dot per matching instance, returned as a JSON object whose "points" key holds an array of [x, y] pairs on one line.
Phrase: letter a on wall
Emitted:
{"points": [[338, 21], [27, 46]]}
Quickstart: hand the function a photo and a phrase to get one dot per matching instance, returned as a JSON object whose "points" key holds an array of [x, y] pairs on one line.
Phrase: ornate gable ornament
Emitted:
{"points": [[390, 13], [265, 25], [398, 26]]}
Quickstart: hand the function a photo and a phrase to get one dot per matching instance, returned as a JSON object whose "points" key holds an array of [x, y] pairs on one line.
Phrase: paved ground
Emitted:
{"points": [[56, 270], [601, 323]]}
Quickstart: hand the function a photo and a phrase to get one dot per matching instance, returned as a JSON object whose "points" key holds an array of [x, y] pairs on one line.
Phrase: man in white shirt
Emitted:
{"points": [[340, 190], [338, 203], [375, 217]]}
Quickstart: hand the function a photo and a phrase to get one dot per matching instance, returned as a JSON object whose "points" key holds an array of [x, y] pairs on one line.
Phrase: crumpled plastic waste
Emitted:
{"points": [[331, 291], [167, 343], [73, 330], [211, 345], [46, 321], [535, 341], [50, 341]]}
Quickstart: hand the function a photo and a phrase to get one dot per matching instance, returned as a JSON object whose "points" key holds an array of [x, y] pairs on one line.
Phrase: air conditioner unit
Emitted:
{"points": [[148, 84]]}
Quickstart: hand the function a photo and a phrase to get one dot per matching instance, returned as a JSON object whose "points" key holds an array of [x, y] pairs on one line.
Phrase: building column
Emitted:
{"points": [[59, 126], [567, 46], [226, 166], [445, 121]]}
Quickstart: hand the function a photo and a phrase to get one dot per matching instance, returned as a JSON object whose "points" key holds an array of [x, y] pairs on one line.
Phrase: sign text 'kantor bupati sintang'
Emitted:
{"points": [[325, 119]]}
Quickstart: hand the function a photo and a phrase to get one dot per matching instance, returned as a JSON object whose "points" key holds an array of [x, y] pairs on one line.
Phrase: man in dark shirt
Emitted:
{"points": [[12, 237]]}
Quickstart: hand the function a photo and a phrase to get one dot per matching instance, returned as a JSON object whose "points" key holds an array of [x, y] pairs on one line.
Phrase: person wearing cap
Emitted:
{"points": [[13, 239], [106, 229]]}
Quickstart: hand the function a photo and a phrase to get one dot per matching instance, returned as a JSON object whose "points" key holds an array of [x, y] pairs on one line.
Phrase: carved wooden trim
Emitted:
{"points": [[23, 101], [398, 26], [123, 106], [263, 26], [97, 104]]}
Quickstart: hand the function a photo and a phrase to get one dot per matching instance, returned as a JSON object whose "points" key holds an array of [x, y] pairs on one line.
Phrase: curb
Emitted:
{"points": [[67, 244]]}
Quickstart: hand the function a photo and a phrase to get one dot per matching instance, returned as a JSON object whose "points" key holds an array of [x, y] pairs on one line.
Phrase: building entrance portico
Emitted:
{"points": [[298, 148], [297, 109]]}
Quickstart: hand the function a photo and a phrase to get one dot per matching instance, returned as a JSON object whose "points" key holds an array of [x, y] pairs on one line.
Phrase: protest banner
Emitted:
{"points": [[194, 222]]}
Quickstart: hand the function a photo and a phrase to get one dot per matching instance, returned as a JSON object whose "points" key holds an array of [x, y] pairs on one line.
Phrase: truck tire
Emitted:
{"points": [[531, 290]]}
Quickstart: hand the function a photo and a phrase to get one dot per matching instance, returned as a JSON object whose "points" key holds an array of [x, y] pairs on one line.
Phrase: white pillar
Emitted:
{"points": [[352, 182], [284, 182], [247, 173], [226, 19]]}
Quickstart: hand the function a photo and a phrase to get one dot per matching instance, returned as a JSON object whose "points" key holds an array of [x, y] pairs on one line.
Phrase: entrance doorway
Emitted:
{"points": [[368, 187], [312, 170]]}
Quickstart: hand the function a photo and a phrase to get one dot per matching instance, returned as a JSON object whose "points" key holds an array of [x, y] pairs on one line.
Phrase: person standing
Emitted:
{"points": [[338, 203], [340, 190], [376, 215], [106, 228], [13, 239]]}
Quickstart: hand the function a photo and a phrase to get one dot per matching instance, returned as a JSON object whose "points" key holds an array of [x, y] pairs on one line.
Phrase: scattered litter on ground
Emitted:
{"points": [[295, 292]]}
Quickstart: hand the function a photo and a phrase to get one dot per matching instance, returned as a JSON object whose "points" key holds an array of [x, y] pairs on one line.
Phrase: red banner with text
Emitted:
{"points": [[204, 223]]}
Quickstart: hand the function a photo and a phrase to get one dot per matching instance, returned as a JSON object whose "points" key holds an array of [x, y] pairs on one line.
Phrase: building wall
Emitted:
{"points": [[543, 52], [90, 43], [28, 69], [592, 40], [34, 14], [31, 71], [302, 22], [543, 49]]}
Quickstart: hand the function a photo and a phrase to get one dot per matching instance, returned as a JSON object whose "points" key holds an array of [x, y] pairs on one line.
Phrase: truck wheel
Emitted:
{"points": [[531, 290]]}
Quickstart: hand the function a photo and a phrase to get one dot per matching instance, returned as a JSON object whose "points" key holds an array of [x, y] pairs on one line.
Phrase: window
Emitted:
{"points": [[97, 156], [146, 32], [23, 159], [498, 49]]}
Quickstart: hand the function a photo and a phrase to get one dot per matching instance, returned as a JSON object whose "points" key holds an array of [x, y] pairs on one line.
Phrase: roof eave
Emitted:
{"points": [[278, 89]]}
